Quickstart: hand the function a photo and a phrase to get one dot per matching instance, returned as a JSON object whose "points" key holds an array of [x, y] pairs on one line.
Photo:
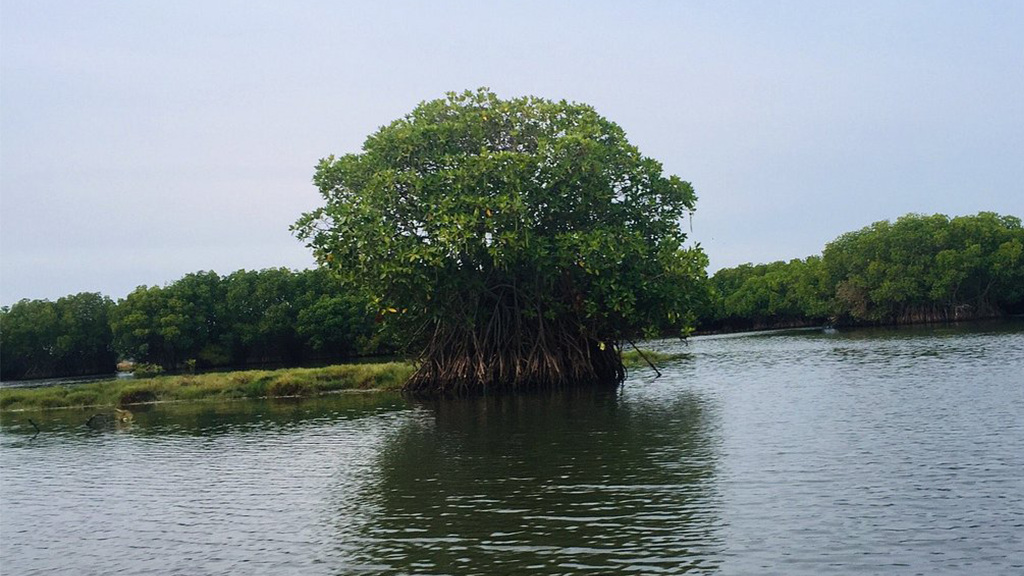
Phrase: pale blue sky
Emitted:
{"points": [[141, 140]]}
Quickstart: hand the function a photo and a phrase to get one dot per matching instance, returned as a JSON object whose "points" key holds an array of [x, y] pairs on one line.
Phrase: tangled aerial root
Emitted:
{"points": [[460, 362]]}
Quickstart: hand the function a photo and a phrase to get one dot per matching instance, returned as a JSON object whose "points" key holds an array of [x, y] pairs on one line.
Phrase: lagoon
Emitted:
{"points": [[897, 451]]}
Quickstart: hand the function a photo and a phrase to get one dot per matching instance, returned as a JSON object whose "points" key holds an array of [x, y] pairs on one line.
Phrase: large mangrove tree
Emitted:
{"points": [[513, 243]]}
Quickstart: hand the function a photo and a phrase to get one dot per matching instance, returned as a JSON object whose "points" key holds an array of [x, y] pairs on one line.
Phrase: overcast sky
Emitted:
{"points": [[141, 140]]}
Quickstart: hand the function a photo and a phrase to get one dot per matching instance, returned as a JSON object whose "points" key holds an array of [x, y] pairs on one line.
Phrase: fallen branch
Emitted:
{"points": [[646, 359]]}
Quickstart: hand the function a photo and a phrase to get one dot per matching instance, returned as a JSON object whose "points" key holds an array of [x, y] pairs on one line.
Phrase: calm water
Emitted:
{"points": [[884, 451]]}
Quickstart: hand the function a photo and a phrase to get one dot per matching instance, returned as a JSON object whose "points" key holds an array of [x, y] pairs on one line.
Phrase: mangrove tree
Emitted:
{"points": [[513, 243]]}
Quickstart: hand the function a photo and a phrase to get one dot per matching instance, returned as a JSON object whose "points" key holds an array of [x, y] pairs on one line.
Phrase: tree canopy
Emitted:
{"points": [[769, 295], [515, 243], [69, 337], [920, 268], [249, 316], [928, 268]]}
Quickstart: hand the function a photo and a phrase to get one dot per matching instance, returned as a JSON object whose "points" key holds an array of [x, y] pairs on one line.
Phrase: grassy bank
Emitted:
{"points": [[633, 361], [236, 385], [218, 385]]}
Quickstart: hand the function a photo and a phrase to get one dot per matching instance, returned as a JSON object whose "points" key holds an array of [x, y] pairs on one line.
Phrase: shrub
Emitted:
{"points": [[147, 370]]}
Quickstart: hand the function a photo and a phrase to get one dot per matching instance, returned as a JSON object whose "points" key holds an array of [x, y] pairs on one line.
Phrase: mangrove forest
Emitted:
{"points": [[916, 269], [203, 320], [504, 245]]}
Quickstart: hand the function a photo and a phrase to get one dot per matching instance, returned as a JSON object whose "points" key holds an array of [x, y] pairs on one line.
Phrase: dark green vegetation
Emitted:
{"points": [[513, 243], [268, 316], [917, 269], [216, 385], [780, 294], [202, 320], [69, 337], [925, 268]]}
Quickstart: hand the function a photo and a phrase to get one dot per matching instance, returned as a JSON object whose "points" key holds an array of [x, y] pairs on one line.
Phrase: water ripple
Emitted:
{"points": [[880, 451]]}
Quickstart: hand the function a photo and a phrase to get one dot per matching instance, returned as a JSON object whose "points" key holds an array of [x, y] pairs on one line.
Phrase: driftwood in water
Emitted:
{"points": [[646, 359], [116, 418]]}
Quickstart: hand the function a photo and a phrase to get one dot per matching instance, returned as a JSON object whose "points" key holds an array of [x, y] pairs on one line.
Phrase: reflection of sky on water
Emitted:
{"points": [[880, 451]]}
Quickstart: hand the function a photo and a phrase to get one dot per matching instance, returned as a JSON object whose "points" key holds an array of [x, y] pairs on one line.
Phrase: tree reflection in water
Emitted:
{"points": [[574, 482]]}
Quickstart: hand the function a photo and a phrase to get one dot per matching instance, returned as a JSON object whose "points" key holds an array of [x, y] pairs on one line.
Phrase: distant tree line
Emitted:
{"points": [[204, 319], [71, 336], [917, 269]]}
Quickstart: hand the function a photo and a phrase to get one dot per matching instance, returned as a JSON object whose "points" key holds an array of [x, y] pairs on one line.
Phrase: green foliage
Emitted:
{"points": [[150, 326], [780, 293], [501, 235], [328, 325], [147, 370], [201, 320], [260, 307], [272, 315], [928, 268], [71, 336], [920, 268]]}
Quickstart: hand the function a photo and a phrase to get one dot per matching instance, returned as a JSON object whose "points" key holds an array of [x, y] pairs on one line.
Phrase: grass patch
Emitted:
{"points": [[237, 385], [136, 396], [223, 385], [631, 359]]}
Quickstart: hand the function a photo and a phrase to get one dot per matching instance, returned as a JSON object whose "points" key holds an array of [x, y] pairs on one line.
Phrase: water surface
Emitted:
{"points": [[870, 451]]}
